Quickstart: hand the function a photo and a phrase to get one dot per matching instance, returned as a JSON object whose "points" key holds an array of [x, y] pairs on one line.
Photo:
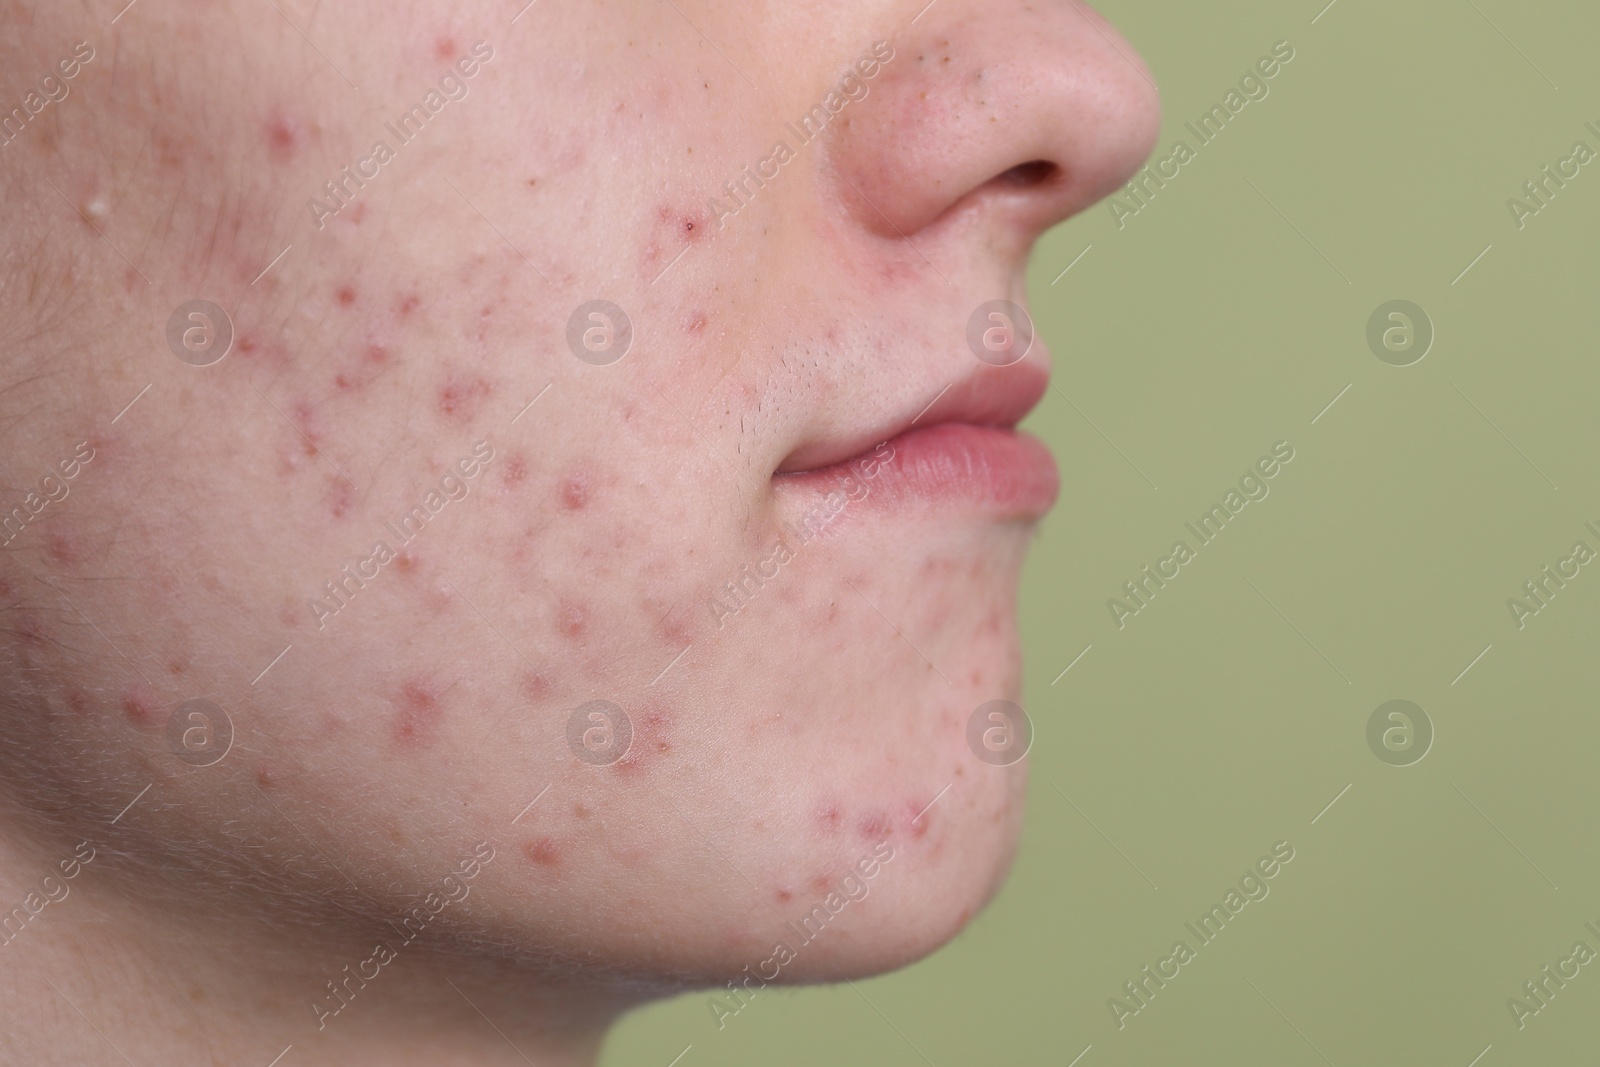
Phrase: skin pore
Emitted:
{"points": [[406, 795]]}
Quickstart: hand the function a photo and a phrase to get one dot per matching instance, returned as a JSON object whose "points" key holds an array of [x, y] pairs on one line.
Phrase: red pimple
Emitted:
{"points": [[346, 296], [139, 708], [418, 712], [695, 323], [822, 884], [341, 497], [542, 852], [575, 491], [830, 818], [445, 48], [265, 778], [535, 684], [283, 139], [405, 563], [784, 896], [459, 398], [406, 305], [572, 619], [376, 353], [516, 471], [62, 548], [876, 827]]}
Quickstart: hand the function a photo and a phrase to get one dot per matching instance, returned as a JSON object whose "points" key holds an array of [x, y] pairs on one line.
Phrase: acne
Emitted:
{"points": [[460, 397], [918, 826], [516, 471], [445, 49], [651, 740], [345, 295], [822, 883], [542, 852], [63, 547], [784, 896], [580, 811], [265, 778], [573, 619], [575, 490], [875, 827], [830, 818], [417, 713], [79, 701], [139, 706], [695, 323], [405, 305], [284, 136], [405, 563], [535, 686]]}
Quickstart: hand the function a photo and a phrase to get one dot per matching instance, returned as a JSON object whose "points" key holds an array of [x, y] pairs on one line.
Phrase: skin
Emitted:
{"points": [[394, 739]]}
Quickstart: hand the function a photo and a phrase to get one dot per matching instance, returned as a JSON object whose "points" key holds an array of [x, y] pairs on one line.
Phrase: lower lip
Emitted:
{"points": [[995, 471]]}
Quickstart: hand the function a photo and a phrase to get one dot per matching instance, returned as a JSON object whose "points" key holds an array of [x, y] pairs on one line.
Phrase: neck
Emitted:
{"points": [[85, 969]]}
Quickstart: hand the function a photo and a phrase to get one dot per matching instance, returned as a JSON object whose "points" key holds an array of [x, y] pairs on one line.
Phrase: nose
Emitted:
{"points": [[1022, 113]]}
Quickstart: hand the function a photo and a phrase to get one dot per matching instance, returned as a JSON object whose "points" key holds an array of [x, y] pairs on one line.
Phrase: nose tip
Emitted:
{"points": [[1028, 114]]}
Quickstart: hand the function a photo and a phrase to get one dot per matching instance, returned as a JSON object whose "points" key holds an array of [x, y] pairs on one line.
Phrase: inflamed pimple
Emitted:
{"points": [[575, 490], [417, 713], [542, 852], [139, 706], [515, 471], [875, 827], [460, 397]]}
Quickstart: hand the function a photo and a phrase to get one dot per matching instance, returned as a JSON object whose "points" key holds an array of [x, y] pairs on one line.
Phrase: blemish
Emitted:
{"points": [[575, 491], [341, 497], [695, 323], [139, 708], [62, 548], [265, 778], [536, 685], [830, 818], [822, 883], [376, 353], [784, 896], [418, 712], [284, 138], [346, 296], [875, 827], [580, 810], [405, 563], [516, 471], [407, 304], [573, 620], [459, 399], [542, 852], [445, 49], [78, 701]]}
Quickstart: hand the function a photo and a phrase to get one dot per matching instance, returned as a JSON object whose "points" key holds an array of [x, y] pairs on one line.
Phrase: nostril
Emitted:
{"points": [[1027, 175]]}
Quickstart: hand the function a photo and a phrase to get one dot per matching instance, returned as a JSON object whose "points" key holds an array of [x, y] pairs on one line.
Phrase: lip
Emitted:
{"points": [[964, 462]]}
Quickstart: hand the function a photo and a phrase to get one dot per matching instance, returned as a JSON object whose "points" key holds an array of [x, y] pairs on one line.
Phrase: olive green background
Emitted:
{"points": [[1224, 317]]}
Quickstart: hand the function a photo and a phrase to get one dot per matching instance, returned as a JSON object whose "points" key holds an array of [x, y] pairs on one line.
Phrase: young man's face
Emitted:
{"points": [[627, 352]]}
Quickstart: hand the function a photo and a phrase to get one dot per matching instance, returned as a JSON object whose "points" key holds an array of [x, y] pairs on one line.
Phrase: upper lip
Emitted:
{"points": [[985, 396]]}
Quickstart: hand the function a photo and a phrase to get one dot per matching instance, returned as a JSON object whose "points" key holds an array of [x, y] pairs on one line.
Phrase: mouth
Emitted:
{"points": [[962, 451]]}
